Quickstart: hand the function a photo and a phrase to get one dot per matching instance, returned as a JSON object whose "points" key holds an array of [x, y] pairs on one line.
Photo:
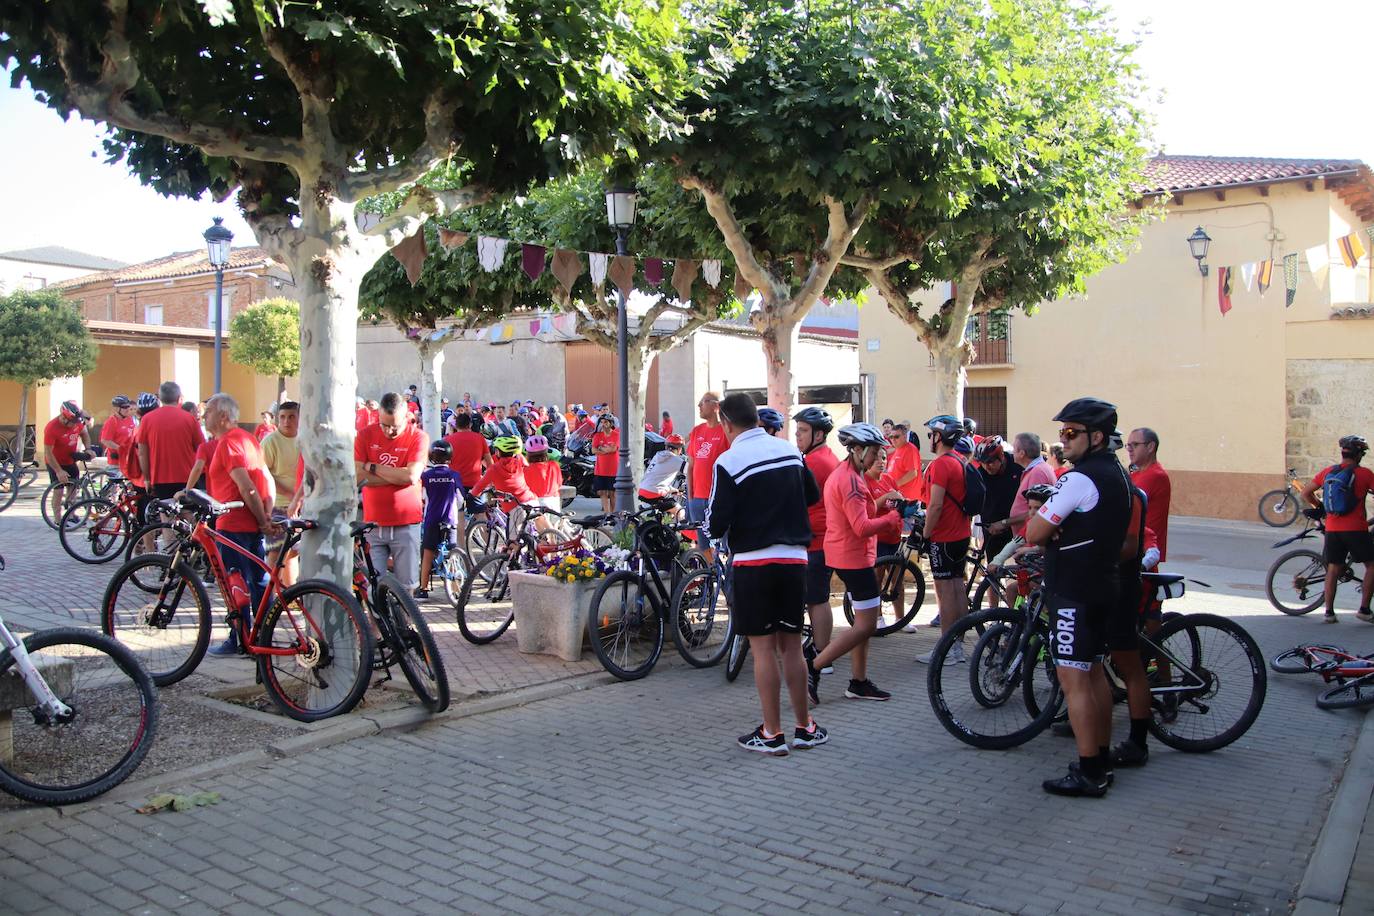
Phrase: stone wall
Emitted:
{"points": [[1327, 399]]}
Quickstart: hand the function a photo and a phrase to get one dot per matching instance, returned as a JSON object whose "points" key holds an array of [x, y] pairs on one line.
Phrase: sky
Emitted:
{"points": [[1227, 78]]}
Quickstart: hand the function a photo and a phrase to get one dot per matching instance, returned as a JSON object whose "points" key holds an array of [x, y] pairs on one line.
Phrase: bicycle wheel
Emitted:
{"points": [[9, 481], [412, 643], [902, 588], [1350, 695], [483, 540], [161, 613], [1301, 661], [484, 606], [327, 673], [701, 619], [94, 531], [986, 664], [1278, 508], [453, 571], [625, 624], [739, 651], [162, 538], [1040, 687], [596, 539], [1296, 582], [959, 707], [1217, 674], [46, 505], [112, 721], [1002, 587]]}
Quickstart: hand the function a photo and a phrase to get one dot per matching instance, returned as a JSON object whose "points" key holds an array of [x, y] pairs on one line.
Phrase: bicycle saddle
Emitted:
{"points": [[592, 521], [1151, 578], [300, 524], [358, 528], [199, 499]]}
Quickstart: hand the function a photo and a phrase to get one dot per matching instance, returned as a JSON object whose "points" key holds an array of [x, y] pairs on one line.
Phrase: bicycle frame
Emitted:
{"points": [[48, 703], [1337, 664]]}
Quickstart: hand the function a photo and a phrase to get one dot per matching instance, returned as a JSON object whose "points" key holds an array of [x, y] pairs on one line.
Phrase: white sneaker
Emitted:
{"points": [[910, 628], [955, 656], [828, 669]]}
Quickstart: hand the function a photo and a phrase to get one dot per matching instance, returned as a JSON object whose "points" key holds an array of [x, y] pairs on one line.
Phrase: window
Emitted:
{"points": [[224, 311], [988, 406], [152, 314]]}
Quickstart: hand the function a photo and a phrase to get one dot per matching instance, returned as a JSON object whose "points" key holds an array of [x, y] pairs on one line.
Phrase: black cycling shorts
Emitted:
{"points": [[768, 598], [817, 578], [603, 484], [1078, 631], [432, 534], [1123, 622], [947, 559], [72, 470], [1358, 546], [862, 587]]}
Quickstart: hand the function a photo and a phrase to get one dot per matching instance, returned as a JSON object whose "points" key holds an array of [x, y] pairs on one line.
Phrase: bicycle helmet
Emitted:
{"points": [[147, 401], [816, 418], [1354, 444], [964, 445], [1116, 442], [440, 452], [1094, 413], [970, 425], [770, 419], [70, 410], [121, 401], [857, 435], [507, 445], [674, 441], [536, 444], [1041, 492], [946, 428], [990, 447]]}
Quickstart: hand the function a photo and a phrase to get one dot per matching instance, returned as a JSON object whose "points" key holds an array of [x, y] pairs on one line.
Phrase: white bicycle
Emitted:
{"points": [[78, 712]]}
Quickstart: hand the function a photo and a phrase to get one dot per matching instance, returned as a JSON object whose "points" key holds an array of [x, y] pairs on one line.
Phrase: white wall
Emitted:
{"points": [[28, 275]]}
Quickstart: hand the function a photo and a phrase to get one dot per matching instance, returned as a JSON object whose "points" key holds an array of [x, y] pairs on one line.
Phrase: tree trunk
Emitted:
{"points": [[779, 329], [281, 389], [950, 359], [19, 437], [431, 384], [639, 364]]}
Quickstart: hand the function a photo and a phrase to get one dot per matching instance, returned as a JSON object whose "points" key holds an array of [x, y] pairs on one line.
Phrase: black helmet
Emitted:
{"points": [[816, 418], [121, 401], [1041, 492], [1354, 444], [1094, 413], [857, 435], [440, 452], [770, 419], [970, 425]]}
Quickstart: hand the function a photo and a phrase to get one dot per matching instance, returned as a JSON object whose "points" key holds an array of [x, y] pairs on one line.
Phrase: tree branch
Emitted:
{"points": [[842, 227], [439, 144], [313, 90], [866, 263], [422, 204], [745, 260]]}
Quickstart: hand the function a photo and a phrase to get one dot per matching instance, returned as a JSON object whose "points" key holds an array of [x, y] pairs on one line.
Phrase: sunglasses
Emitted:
{"points": [[1068, 434]]}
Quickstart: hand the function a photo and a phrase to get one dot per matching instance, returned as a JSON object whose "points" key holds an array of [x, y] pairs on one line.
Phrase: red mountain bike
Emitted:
{"points": [[1353, 674]]}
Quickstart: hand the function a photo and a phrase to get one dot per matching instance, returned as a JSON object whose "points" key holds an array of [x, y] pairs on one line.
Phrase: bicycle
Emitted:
{"points": [[702, 624], [1296, 583], [403, 636], [87, 716], [312, 644], [87, 485], [1279, 508], [1353, 674], [1207, 677], [899, 575], [97, 530], [450, 565]]}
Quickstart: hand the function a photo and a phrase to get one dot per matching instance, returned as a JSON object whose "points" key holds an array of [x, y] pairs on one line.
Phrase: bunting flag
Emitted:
{"points": [[1369, 231], [534, 327], [507, 331], [710, 269], [494, 333], [565, 324], [1264, 273], [653, 271], [1224, 289], [532, 260], [622, 273], [599, 262], [1247, 275], [1290, 278], [449, 240], [1351, 249], [491, 252], [684, 275], [1318, 260], [411, 253], [567, 267]]}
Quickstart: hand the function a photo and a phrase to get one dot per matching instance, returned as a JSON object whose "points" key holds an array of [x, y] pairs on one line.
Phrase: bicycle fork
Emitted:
{"points": [[50, 710]]}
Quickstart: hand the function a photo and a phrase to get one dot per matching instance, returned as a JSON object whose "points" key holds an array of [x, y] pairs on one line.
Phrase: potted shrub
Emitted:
{"points": [[551, 604]]}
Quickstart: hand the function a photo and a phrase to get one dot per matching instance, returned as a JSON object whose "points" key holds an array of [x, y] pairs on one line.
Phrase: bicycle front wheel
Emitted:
{"points": [[320, 651], [902, 590], [9, 480], [94, 531], [625, 624], [452, 571], [483, 540], [1300, 660], [485, 609], [1212, 668], [1296, 582], [1350, 695], [412, 644], [739, 651], [701, 619], [161, 613], [1278, 508]]}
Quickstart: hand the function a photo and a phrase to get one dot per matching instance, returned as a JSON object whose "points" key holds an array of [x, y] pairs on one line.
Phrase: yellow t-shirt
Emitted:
{"points": [[282, 454]]}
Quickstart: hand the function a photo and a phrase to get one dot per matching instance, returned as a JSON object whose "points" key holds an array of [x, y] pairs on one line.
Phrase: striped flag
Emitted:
{"points": [[1290, 278], [1351, 249], [1224, 289], [1264, 274]]}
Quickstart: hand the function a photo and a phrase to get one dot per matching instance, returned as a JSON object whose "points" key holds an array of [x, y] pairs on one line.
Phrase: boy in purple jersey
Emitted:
{"points": [[444, 497]]}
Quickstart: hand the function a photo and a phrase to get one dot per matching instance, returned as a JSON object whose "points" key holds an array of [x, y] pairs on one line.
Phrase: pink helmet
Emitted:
{"points": [[536, 444]]}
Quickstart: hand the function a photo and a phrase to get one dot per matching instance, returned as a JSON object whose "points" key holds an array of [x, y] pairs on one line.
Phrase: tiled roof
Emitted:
{"points": [[180, 264], [62, 257], [1173, 174]]}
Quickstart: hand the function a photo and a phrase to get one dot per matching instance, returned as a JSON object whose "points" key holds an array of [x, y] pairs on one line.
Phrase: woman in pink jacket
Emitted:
{"points": [[853, 524]]}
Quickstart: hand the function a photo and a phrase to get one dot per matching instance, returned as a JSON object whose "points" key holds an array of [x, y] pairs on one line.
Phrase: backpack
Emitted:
{"points": [[1338, 490], [975, 491]]}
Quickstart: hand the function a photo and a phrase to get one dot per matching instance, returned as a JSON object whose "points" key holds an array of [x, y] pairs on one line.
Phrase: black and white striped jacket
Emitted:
{"points": [[759, 496]]}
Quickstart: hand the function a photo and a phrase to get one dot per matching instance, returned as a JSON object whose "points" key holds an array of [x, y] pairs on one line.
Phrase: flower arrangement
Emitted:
{"points": [[575, 566]]}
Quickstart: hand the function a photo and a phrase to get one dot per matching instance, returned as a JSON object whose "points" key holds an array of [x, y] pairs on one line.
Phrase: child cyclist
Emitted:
{"points": [[444, 500], [507, 474], [543, 474], [853, 525]]}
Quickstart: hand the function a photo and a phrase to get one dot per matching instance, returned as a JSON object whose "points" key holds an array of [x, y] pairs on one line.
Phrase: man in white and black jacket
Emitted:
{"points": [[759, 496]]}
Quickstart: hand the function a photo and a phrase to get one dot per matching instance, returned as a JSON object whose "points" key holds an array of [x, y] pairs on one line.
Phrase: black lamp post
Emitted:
{"points": [[217, 240], [620, 212], [1197, 244]]}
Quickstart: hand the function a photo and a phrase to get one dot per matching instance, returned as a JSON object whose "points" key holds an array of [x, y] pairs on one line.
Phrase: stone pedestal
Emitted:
{"points": [[550, 616], [14, 694]]}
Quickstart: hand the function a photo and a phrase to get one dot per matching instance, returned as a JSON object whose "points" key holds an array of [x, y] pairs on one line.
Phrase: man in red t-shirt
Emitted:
{"points": [[904, 462], [238, 473], [704, 445], [810, 427], [64, 439], [388, 459], [1142, 449], [1347, 534], [606, 448], [947, 525], [119, 429], [167, 442]]}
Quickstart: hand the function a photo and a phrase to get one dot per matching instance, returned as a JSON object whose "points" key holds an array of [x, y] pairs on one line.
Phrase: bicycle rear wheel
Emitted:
{"points": [[9, 480], [902, 589], [1296, 582], [326, 673], [485, 609], [1299, 661], [1217, 674], [74, 492], [739, 651], [412, 643], [453, 571], [94, 531], [1350, 695], [111, 725], [625, 624], [1278, 508], [159, 612], [483, 540], [701, 619]]}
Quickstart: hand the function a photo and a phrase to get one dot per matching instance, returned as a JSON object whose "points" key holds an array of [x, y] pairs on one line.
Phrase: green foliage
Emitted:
{"points": [[266, 337], [43, 337]]}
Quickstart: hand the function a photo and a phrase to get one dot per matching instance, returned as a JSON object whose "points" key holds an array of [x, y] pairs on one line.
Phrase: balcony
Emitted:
{"points": [[991, 338]]}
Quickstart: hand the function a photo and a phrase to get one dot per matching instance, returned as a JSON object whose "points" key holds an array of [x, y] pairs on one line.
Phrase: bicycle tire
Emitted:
{"points": [[1040, 688], [168, 638], [417, 653], [1278, 508], [1295, 661], [118, 697], [485, 610], [1003, 726], [99, 534], [334, 649], [45, 505], [1351, 695], [164, 540], [986, 584], [1207, 656], [734, 662], [987, 690], [701, 624], [626, 629], [482, 540], [453, 571], [1308, 582], [10, 482], [886, 570]]}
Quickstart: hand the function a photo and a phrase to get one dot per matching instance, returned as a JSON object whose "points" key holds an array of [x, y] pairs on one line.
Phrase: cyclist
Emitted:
{"points": [[1001, 480], [663, 469], [443, 507], [1084, 530], [65, 442], [810, 427], [388, 459], [947, 526], [118, 431], [853, 527], [507, 474], [167, 442], [606, 447], [1347, 533], [1142, 450], [543, 476], [771, 421]]}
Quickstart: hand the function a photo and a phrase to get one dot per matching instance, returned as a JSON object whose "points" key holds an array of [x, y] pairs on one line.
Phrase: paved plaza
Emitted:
{"points": [[631, 797]]}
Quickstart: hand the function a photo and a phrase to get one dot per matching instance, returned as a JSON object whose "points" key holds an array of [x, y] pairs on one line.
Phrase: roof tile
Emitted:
{"points": [[178, 264], [1175, 174]]}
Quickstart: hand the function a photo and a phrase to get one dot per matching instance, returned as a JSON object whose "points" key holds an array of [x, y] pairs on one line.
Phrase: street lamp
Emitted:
{"points": [[217, 240], [620, 213], [1197, 244]]}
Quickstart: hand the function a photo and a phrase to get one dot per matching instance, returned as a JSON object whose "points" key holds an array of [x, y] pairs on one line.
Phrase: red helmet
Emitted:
{"points": [[674, 439], [70, 410]]}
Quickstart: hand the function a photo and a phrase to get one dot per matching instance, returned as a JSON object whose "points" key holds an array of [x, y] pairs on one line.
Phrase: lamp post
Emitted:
{"points": [[620, 212], [217, 240], [1198, 243]]}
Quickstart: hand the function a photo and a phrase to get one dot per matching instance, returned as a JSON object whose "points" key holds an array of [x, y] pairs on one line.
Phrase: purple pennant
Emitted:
{"points": [[532, 260], [534, 325], [653, 271]]}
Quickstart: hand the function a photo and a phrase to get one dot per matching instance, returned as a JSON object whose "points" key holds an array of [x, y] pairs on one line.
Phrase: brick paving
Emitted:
{"points": [[631, 797]]}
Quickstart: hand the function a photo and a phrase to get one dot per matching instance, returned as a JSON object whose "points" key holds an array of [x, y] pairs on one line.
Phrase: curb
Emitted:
{"points": [[1328, 870]]}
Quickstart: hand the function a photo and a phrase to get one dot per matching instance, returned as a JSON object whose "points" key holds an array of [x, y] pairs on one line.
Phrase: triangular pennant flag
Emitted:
{"points": [[491, 252], [507, 331], [598, 263], [1264, 273], [1290, 278], [684, 275], [1224, 289], [1318, 261], [450, 239], [742, 287], [710, 269], [622, 273], [532, 260], [411, 253], [567, 267], [1247, 275], [494, 332], [1351, 249], [534, 327], [653, 271]]}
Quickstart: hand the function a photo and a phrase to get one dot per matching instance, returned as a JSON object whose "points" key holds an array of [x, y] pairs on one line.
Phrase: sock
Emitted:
{"points": [[1104, 756], [1092, 768], [1140, 728]]}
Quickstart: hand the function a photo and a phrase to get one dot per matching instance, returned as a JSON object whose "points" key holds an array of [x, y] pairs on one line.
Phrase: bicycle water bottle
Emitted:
{"points": [[238, 591]]}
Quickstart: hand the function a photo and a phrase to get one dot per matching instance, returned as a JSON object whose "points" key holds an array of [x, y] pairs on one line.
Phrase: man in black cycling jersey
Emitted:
{"points": [[1083, 529]]}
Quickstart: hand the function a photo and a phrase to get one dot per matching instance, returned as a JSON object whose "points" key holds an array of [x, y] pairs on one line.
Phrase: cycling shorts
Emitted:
{"points": [[432, 534], [768, 598], [886, 550], [817, 578], [1358, 546], [72, 470], [1077, 631], [947, 559], [862, 587], [1122, 632]]}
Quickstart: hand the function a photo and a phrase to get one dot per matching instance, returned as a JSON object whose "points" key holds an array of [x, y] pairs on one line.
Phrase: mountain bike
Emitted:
{"points": [[97, 530], [87, 485], [1279, 508], [1353, 674], [84, 713], [901, 583], [702, 625], [312, 644], [1296, 582]]}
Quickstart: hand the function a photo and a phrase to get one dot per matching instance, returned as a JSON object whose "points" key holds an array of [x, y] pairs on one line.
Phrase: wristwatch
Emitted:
{"points": [[372, 468]]}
